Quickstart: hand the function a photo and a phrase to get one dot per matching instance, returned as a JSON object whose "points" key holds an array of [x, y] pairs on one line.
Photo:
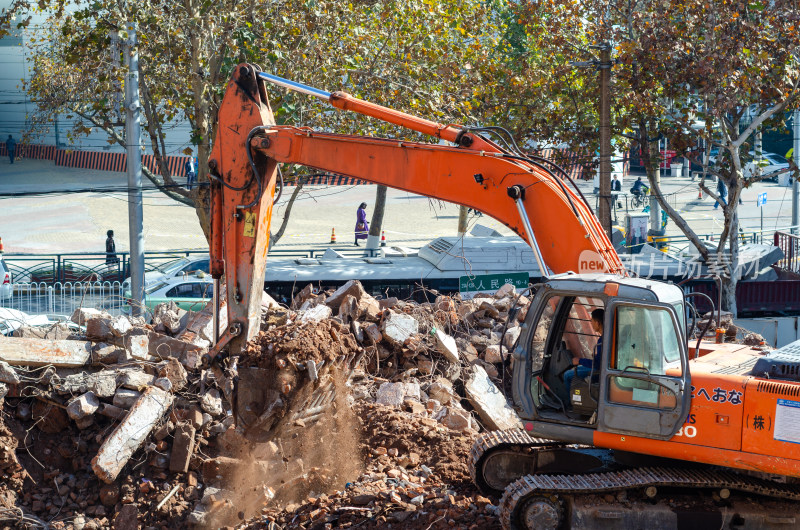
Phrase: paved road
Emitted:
{"points": [[72, 221]]}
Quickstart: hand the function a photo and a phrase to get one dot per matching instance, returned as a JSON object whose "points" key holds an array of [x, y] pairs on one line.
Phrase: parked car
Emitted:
{"points": [[6, 289], [171, 269], [191, 293], [770, 163]]}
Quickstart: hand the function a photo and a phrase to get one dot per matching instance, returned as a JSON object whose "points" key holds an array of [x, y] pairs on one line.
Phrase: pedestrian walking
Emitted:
{"points": [[111, 251], [191, 172], [722, 191], [362, 226], [11, 147]]}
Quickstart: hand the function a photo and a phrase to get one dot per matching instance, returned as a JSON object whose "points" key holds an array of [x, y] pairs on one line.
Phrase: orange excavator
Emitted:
{"points": [[626, 403]]}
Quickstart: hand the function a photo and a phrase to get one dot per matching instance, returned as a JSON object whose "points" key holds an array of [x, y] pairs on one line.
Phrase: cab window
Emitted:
{"points": [[645, 343]]}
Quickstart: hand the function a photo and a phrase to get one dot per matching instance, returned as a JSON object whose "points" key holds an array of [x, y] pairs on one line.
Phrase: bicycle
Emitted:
{"points": [[640, 199]]}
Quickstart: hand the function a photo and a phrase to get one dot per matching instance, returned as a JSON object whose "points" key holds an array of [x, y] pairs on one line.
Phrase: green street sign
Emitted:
{"points": [[489, 283]]}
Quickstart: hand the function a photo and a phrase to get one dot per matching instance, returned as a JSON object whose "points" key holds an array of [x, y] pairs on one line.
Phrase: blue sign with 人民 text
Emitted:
{"points": [[761, 200]]}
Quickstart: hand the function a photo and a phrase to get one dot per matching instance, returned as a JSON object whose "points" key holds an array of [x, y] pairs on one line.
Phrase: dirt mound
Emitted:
{"points": [[437, 447], [298, 343]]}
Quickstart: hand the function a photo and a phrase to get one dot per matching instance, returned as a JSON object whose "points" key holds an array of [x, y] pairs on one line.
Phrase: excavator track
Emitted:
{"points": [[498, 458], [535, 501]]}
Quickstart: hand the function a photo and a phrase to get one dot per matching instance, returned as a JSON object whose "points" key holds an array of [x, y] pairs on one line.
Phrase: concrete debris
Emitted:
{"points": [[129, 435], [8, 374], [398, 327], [125, 398], [316, 313], [394, 394], [489, 403], [211, 402], [83, 406], [138, 346], [83, 314], [134, 379], [446, 345], [42, 352], [120, 326]]}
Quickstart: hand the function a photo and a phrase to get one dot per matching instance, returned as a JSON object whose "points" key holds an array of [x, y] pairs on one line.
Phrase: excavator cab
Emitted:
{"points": [[635, 382]]}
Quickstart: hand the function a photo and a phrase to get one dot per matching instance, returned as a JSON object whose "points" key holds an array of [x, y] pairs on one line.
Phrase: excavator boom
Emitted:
{"points": [[521, 193]]}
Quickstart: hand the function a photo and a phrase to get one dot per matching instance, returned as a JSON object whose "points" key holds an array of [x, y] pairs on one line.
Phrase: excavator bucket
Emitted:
{"points": [[278, 394]]}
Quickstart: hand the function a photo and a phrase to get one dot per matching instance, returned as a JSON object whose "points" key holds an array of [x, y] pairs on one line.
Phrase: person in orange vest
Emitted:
{"points": [[362, 226]]}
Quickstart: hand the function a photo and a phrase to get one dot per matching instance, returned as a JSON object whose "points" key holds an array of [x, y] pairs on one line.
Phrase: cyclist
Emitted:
{"points": [[639, 189]]}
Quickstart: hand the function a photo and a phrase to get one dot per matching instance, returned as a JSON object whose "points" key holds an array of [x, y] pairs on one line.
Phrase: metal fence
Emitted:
{"points": [[790, 245], [63, 298]]}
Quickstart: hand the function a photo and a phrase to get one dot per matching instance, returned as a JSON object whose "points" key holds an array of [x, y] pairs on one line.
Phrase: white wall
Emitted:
{"points": [[16, 106]]}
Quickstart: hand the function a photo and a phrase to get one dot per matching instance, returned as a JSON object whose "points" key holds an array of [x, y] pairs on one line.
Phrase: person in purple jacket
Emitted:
{"points": [[362, 226]]}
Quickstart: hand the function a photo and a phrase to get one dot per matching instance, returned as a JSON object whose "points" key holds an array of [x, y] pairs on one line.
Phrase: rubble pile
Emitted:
{"points": [[109, 424], [115, 422], [415, 476]]}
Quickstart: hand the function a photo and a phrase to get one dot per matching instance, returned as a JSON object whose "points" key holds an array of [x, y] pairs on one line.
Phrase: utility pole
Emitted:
{"points": [[604, 210], [795, 184], [133, 144], [604, 173]]}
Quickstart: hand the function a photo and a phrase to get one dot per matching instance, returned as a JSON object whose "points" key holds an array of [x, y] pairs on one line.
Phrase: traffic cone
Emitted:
{"points": [[699, 192], [1, 245], [333, 235], [383, 238]]}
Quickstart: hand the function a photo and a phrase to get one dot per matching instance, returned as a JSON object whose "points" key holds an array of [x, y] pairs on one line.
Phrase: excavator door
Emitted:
{"points": [[645, 388]]}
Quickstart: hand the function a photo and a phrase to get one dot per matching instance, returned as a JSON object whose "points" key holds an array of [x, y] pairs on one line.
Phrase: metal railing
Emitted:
{"points": [[63, 298], [91, 267], [790, 245]]}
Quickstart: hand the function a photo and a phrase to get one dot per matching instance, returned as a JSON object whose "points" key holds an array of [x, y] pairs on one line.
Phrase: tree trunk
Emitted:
{"points": [[375, 227], [462, 220], [731, 261], [275, 236]]}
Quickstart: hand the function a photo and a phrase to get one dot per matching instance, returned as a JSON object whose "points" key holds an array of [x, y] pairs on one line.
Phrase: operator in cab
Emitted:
{"points": [[584, 366]]}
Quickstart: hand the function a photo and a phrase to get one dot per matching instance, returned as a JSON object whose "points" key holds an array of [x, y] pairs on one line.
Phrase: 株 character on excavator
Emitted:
{"points": [[646, 400]]}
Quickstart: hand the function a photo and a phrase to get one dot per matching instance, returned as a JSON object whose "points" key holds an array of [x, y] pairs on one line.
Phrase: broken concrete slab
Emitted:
{"points": [[372, 332], [182, 447], [8, 374], [352, 288], [120, 326], [173, 370], [211, 402], [511, 336], [393, 394], [83, 314], [454, 418], [129, 435], [489, 402], [398, 327], [41, 352], [134, 379], [492, 354], [316, 313], [164, 347], [138, 346], [98, 329], [125, 398], [82, 406], [104, 383], [446, 345]]}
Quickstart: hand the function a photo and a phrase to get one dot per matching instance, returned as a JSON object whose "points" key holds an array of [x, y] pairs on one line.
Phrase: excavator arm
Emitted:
{"points": [[514, 189]]}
